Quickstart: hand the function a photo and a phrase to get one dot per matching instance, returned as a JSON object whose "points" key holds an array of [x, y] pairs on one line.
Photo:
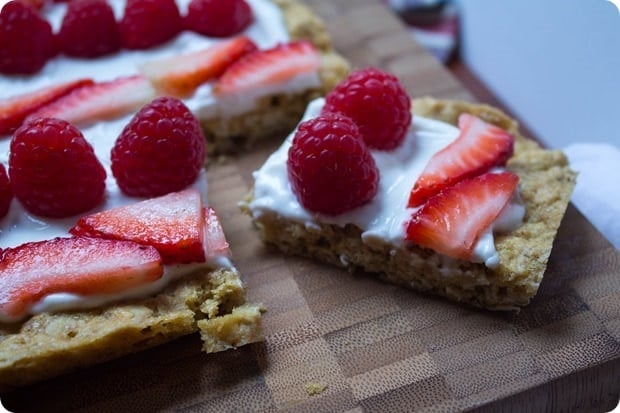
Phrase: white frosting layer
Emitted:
{"points": [[384, 217], [19, 226]]}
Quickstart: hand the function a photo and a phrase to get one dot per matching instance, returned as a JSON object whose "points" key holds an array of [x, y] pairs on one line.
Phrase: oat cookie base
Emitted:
{"points": [[47, 345]]}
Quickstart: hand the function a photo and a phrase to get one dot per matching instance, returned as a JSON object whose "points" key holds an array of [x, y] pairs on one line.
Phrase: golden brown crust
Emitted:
{"points": [[277, 115], [546, 183], [47, 345], [303, 23]]}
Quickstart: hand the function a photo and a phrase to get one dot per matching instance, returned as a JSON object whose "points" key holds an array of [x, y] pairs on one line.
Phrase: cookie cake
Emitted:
{"points": [[108, 244], [444, 197]]}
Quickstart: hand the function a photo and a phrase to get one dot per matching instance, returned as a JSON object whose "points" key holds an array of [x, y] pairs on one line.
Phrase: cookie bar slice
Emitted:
{"points": [[86, 316], [499, 269], [78, 287], [292, 61], [277, 113]]}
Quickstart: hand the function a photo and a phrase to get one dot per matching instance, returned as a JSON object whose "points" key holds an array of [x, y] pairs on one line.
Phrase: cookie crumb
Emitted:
{"points": [[315, 388]]}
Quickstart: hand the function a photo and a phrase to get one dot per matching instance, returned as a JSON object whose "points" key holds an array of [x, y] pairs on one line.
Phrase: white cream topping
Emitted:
{"points": [[18, 227], [68, 301], [384, 217], [238, 103]]}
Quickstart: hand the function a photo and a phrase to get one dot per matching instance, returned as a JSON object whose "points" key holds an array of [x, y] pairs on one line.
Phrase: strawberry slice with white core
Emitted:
{"points": [[81, 265], [100, 101], [265, 71], [452, 221], [171, 223], [479, 147], [180, 75], [215, 244], [15, 109]]}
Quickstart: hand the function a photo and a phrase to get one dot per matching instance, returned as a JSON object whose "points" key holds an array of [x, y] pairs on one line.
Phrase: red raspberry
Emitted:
{"points": [[35, 4], [161, 150], [6, 194], [26, 39], [148, 23], [218, 18], [330, 167], [54, 171], [377, 103], [89, 29]]}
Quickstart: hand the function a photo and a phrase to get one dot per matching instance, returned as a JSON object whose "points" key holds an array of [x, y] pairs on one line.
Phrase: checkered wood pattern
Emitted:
{"points": [[376, 347]]}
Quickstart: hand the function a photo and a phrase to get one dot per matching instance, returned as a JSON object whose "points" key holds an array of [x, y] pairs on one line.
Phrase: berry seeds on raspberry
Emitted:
{"points": [[89, 29], [218, 18], [161, 150], [26, 39], [148, 23], [330, 168], [54, 171], [377, 103]]}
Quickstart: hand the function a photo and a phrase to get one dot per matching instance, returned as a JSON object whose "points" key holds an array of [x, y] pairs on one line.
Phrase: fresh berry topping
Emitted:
{"points": [[173, 224], [6, 193], [89, 29], [214, 240], [263, 69], [15, 109], [35, 4], [180, 75], [99, 101], [148, 23], [84, 266], [377, 103], [330, 167], [54, 171], [478, 147], [162, 149], [26, 39], [452, 221], [218, 18]]}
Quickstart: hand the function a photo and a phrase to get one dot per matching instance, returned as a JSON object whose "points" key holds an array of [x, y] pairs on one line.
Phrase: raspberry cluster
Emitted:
{"points": [[330, 164], [54, 172], [89, 28]]}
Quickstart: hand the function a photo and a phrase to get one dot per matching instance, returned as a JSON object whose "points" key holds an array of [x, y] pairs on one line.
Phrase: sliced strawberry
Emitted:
{"points": [[15, 109], [172, 223], [478, 147], [100, 101], [215, 244], [451, 221], [81, 265], [265, 68], [181, 75]]}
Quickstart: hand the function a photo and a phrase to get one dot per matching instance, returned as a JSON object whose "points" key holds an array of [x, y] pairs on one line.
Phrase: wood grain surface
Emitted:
{"points": [[373, 346]]}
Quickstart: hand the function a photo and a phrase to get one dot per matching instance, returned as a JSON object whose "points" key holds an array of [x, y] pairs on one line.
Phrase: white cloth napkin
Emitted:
{"points": [[597, 193]]}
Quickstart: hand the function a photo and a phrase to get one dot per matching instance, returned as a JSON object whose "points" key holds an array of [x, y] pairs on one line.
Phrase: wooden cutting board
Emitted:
{"points": [[367, 345]]}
